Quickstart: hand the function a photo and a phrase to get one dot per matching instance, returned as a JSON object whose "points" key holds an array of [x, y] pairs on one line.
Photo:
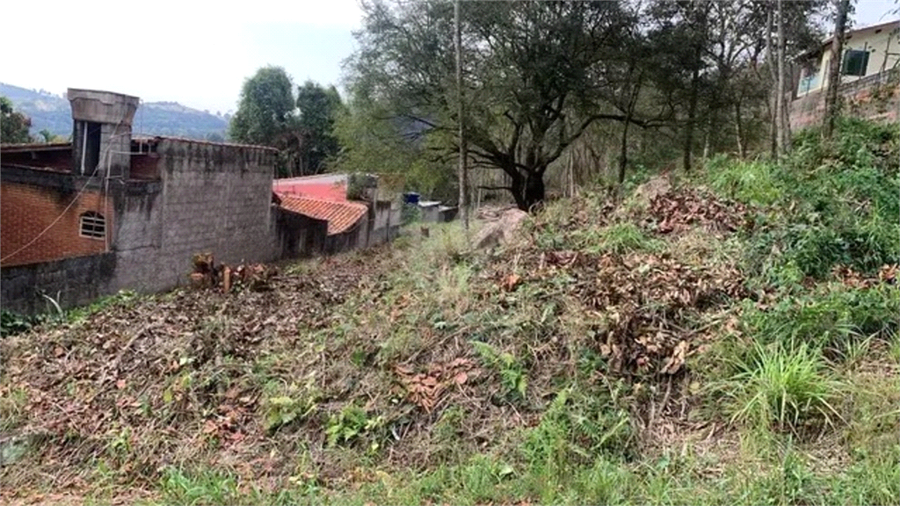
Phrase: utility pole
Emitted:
{"points": [[463, 146]]}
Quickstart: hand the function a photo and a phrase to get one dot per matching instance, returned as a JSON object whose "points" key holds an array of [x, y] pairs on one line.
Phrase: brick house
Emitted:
{"points": [[110, 211]]}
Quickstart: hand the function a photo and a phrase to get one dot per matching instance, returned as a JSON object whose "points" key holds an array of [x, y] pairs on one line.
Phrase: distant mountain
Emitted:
{"points": [[52, 112]]}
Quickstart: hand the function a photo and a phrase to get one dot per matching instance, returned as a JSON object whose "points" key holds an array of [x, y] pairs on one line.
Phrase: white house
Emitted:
{"points": [[867, 51]]}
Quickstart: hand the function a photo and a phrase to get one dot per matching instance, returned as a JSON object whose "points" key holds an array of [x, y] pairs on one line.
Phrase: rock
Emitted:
{"points": [[648, 191], [500, 230]]}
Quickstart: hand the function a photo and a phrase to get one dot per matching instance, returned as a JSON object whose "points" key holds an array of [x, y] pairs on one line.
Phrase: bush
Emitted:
{"points": [[829, 203], [828, 317]]}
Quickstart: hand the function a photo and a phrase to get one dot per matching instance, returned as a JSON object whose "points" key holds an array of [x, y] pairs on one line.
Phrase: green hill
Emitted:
{"points": [[52, 112]]}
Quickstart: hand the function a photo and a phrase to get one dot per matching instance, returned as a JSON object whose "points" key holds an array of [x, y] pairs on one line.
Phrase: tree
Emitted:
{"points": [[266, 108], [834, 71], [528, 96], [318, 109], [14, 125]]}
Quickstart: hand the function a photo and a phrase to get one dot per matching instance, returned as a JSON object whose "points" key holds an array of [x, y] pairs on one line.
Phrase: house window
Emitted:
{"points": [[855, 63], [93, 225]]}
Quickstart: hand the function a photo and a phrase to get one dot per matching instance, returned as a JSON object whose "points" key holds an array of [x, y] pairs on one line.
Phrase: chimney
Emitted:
{"points": [[101, 138]]}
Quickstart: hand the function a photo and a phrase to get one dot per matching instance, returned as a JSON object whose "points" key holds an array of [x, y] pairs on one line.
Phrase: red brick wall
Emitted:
{"points": [[28, 210]]}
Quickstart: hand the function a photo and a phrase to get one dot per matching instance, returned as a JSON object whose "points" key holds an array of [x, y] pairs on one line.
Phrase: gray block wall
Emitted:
{"points": [[214, 198]]}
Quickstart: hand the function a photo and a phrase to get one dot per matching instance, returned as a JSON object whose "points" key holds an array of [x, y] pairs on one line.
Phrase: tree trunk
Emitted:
{"points": [[834, 71], [779, 86], [463, 146], [773, 75], [623, 153], [692, 113], [739, 128], [528, 189]]}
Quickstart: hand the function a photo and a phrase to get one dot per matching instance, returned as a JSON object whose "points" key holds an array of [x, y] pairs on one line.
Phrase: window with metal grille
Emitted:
{"points": [[93, 225], [855, 63]]}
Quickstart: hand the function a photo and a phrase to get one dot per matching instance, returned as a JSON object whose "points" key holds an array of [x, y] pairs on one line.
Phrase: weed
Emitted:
{"points": [[512, 374], [350, 423], [781, 385], [197, 488], [576, 427], [12, 323], [626, 237], [294, 404]]}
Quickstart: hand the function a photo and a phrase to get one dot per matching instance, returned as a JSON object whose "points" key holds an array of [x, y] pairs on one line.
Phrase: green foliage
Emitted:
{"points": [[577, 426], [14, 126], [199, 488], [749, 181], [319, 108], [626, 237], [266, 108], [295, 403], [375, 141], [782, 384], [830, 203], [512, 374], [12, 323], [829, 317], [351, 423]]}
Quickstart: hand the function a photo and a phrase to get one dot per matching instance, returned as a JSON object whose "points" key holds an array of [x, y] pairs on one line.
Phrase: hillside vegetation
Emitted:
{"points": [[732, 339], [54, 114]]}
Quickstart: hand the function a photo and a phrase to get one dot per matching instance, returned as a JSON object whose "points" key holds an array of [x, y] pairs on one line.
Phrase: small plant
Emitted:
{"points": [[626, 237], [12, 323], [781, 386], [512, 374], [203, 487], [350, 423], [296, 405]]}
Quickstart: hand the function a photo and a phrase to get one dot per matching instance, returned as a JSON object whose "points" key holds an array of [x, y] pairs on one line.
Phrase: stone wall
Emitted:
{"points": [[875, 97], [70, 282]]}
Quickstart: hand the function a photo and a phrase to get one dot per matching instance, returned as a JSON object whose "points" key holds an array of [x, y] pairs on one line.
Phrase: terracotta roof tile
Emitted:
{"points": [[341, 216], [325, 187]]}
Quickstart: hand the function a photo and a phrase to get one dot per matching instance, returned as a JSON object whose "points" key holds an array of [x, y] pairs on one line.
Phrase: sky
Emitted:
{"points": [[195, 52]]}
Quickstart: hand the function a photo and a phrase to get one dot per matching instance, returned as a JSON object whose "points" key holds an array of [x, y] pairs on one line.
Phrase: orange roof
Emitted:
{"points": [[341, 216], [324, 186]]}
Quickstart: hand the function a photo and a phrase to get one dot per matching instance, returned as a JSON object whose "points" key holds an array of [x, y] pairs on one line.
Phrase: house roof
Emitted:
{"points": [[331, 187], [36, 146], [825, 44], [341, 216], [157, 138]]}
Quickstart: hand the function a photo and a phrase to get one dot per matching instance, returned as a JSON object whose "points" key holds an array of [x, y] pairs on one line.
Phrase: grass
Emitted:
{"points": [[781, 386]]}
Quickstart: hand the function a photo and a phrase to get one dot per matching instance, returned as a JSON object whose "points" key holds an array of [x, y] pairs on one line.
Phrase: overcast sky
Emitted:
{"points": [[196, 52]]}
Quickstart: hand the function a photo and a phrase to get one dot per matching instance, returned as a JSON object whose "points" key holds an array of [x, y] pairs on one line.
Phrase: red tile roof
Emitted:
{"points": [[341, 216], [331, 187]]}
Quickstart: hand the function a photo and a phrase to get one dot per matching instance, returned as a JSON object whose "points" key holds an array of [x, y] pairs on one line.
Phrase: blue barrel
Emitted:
{"points": [[411, 198]]}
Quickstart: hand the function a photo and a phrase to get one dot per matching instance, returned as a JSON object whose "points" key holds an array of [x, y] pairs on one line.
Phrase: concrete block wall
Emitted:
{"points": [[70, 282], [115, 150], [215, 198]]}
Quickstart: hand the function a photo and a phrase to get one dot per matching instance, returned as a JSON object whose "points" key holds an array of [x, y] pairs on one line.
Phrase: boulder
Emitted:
{"points": [[659, 185], [501, 230]]}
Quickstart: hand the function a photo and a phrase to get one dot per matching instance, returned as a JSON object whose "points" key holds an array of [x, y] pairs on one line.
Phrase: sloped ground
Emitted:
{"points": [[704, 345]]}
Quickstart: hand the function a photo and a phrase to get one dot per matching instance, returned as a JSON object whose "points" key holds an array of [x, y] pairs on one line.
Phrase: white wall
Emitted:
{"points": [[881, 41]]}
